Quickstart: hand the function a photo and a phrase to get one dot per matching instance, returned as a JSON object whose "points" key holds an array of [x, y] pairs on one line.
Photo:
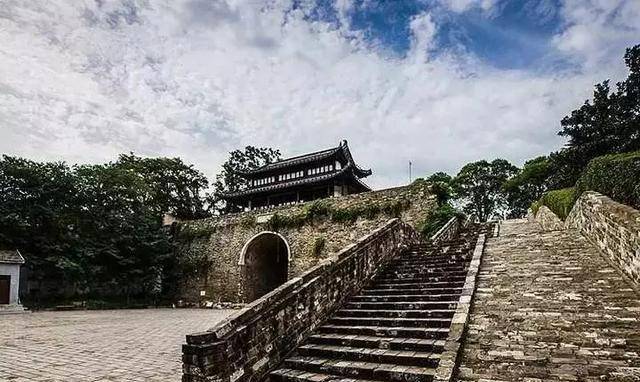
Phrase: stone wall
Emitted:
{"points": [[612, 227], [547, 219], [450, 229], [214, 245], [257, 338]]}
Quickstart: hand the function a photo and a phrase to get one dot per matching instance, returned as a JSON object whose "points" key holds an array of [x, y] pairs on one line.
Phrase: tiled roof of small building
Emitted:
{"points": [[11, 257], [304, 181], [308, 158]]}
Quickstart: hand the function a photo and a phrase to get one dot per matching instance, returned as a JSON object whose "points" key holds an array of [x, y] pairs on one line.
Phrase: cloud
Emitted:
{"points": [[597, 31], [460, 6], [84, 81]]}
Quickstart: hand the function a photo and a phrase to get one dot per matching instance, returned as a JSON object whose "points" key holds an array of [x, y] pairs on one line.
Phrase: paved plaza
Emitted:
{"points": [[113, 345]]}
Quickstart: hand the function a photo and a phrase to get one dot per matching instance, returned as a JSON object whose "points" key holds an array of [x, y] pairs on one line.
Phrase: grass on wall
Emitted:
{"points": [[322, 210]]}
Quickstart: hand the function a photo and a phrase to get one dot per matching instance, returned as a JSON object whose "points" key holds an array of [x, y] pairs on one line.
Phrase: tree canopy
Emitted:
{"points": [[607, 124], [90, 226], [478, 187], [228, 179]]}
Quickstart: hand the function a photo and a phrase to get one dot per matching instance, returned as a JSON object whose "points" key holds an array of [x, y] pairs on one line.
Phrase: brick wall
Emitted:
{"points": [[612, 227], [220, 240], [256, 339]]}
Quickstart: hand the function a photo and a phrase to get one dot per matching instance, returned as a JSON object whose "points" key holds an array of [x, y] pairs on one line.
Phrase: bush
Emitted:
{"points": [[319, 244], [559, 201], [437, 219], [616, 176], [535, 206]]}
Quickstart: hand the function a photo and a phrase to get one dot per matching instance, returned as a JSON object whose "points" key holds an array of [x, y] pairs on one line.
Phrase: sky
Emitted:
{"points": [[436, 82]]}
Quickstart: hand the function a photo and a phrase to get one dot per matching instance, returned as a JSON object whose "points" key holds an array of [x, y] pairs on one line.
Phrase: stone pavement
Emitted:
{"points": [[114, 345], [549, 307]]}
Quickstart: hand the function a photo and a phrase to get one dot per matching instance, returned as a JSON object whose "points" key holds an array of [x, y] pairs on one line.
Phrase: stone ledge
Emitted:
{"points": [[613, 228], [450, 356]]}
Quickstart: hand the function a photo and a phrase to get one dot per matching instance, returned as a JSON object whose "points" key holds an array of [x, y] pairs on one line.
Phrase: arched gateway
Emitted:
{"points": [[265, 261]]}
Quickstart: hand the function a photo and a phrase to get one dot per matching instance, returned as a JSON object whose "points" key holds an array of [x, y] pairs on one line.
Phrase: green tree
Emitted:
{"points": [[441, 187], [96, 228], [527, 186], [609, 123], [229, 179], [37, 215], [172, 186], [478, 186]]}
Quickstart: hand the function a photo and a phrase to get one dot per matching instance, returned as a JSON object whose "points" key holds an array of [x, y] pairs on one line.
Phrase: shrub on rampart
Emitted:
{"points": [[559, 202], [616, 176], [437, 219], [321, 209]]}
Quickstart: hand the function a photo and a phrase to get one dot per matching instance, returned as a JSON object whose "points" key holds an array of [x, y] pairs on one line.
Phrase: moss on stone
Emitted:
{"points": [[319, 243], [190, 232]]}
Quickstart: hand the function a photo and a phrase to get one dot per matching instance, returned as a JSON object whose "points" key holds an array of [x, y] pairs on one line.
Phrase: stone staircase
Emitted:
{"points": [[395, 328]]}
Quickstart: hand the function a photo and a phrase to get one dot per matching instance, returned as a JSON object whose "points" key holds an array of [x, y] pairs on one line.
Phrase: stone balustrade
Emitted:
{"points": [[612, 227], [251, 342]]}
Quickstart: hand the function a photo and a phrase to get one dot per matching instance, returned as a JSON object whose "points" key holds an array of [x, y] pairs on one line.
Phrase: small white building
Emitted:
{"points": [[10, 263]]}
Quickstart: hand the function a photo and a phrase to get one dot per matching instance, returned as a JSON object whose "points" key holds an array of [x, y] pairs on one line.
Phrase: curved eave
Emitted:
{"points": [[364, 186], [292, 184], [302, 159], [361, 173]]}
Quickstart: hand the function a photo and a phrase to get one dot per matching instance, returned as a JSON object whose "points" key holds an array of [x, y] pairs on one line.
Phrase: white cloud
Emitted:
{"points": [[83, 82], [460, 6], [423, 31], [597, 31]]}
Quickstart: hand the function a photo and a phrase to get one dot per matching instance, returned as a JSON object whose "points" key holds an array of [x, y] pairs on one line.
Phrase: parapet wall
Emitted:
{"points": [[612, 227], [548, 220], [213, 246], [247, 345]]}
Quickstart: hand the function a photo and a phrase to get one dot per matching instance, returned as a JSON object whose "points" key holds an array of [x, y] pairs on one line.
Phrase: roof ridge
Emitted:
{"points": [[294, 159]]}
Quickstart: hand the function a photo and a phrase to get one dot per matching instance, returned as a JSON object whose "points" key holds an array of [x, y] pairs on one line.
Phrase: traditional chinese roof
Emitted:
{"points": [[299, 182], [341, 150], [11, 257]]}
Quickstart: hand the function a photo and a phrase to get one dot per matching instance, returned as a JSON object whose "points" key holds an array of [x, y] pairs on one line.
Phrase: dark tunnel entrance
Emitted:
{"points": [[266, 263]]}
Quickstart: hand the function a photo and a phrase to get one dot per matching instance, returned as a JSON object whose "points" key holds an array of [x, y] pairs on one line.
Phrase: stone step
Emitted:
{"points": [[425, 278], [409, 284], [361, 370], [292, 375], [396, 357], [439, 251], [393, 343], [402, 313], [418, 275], [411, 271], [425, 268], [405, 297], [387, 291], [408, 305], [435, 256], [384, 331], [427, 262], [432, 322]]}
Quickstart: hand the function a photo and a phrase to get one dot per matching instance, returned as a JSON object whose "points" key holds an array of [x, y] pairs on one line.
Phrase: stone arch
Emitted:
{"points": [[265, 264]]}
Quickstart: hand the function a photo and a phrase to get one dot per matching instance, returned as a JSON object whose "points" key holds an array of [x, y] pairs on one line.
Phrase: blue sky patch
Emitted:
{"points": [[511, 35]]}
